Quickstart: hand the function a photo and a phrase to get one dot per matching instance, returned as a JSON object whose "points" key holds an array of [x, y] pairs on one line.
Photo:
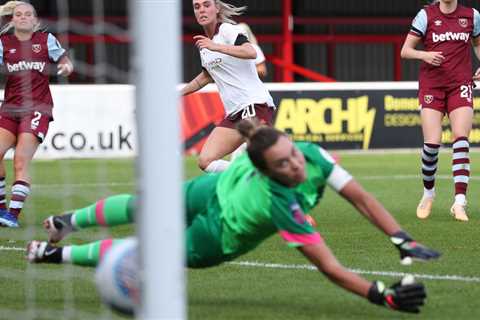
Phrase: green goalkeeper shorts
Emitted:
{"points": [[204, 228]]}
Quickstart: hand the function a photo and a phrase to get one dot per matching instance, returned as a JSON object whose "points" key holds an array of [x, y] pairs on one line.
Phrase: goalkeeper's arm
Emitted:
{"points": [[405, 298], [373, 210], [370, 207]]}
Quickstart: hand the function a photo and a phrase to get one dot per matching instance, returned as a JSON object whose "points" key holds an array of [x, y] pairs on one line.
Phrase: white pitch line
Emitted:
{"points": [[2, 248], [359, 271], [84, 185], [407, 177], [120, 184], [310, 267], [124, 184]]}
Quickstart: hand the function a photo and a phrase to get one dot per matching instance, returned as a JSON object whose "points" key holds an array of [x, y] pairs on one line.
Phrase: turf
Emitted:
{"points": [[234, 291]]}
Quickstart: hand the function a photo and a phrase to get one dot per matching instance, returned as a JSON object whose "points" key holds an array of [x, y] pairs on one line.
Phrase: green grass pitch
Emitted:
{"points": [[277, 286]]}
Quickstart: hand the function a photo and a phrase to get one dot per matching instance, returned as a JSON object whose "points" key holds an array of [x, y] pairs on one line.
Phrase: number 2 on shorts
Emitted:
{"points": [[466, 92], [36, 119]]}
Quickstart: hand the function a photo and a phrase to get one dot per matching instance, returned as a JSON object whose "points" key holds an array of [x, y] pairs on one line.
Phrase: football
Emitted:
{"points": [[117, 277]]}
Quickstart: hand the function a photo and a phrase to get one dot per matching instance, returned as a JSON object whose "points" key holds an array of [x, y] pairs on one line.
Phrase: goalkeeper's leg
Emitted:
{"points": [[88, 254], [111, 211]]}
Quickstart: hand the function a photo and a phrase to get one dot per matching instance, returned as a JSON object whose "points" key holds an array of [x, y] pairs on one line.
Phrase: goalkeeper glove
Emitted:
{"points": [[404, 298], [409, 249]]}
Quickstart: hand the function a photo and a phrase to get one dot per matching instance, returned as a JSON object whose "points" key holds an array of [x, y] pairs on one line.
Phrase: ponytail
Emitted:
{"points": [[259, 138], [226, 11], [247, 128]]}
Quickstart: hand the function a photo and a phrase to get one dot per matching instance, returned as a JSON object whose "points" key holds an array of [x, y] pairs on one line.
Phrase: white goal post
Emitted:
{"points": [[156, 63]]}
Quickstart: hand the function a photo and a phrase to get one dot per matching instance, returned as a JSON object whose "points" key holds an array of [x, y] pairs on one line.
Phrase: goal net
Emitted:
{"points": [[90, 152]]}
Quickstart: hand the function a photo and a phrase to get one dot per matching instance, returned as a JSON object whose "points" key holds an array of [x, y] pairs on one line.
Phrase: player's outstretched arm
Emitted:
{"points": [[406, 297], [196, 84], [373, 210], [370, 207]]}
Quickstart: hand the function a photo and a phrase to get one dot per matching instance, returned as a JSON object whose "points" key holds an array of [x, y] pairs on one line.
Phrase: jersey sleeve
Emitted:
{"points": [[338, 178], [55, 50], [241, 39], [260, 56], [476, 23], [419, 24], [291, 222], [1, 52], [230, 32]]}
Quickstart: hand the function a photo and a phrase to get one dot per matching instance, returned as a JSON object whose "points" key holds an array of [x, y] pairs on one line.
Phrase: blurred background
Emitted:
{"points": [[347, 40]]}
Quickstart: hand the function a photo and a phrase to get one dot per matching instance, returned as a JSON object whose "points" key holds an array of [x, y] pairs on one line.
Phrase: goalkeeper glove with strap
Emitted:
{"points": [[404, 298], [409, 249]]}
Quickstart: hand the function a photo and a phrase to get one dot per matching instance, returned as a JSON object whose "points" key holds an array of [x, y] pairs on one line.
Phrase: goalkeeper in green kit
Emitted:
{"points": [[230, 213]]}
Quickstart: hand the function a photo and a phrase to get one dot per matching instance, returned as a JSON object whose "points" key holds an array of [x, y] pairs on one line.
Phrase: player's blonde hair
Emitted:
{"points": [[227, 11], [7, 9]]}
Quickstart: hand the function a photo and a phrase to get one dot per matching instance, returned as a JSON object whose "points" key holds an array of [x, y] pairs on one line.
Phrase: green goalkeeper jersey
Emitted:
{"points": [[253, 206]]}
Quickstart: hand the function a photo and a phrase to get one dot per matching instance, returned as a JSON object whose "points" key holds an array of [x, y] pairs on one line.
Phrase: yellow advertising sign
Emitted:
{"points": [[327, 120]]}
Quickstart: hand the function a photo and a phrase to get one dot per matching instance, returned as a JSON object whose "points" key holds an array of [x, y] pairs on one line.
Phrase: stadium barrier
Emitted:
{"points": [[98, 121], [341, 115], [90, 121]]}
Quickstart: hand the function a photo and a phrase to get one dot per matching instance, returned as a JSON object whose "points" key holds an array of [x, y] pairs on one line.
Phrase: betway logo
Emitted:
{"points": [[26, 66], [447, 36]]}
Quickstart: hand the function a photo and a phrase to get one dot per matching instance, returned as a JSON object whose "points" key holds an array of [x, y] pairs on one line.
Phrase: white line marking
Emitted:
{"points": [[359, 271], [407, 177], [310, 267], [2, 248], [123, 184], [84, 185]]}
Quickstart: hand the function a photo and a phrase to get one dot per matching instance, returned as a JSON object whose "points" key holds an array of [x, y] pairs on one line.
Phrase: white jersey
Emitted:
{"points": [[237, 79]]}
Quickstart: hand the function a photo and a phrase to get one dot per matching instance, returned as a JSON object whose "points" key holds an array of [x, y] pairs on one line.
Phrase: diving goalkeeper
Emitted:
{"points": [[230, 213]]}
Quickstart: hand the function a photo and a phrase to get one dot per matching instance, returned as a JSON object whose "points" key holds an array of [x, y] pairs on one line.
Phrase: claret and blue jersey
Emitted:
{"points": [[450, 34], [27, 66]]}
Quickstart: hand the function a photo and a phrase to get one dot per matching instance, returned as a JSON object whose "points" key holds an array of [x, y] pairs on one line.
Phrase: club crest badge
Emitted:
{"points": [[36, 48], [463, 22], [428, 98]]}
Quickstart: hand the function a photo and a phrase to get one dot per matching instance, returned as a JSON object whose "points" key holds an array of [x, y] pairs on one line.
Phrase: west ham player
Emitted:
{"points": [[230, 213], [446, 30], [228, 60], [26, 55]]}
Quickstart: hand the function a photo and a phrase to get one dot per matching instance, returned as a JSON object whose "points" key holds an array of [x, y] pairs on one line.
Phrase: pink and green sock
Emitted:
{"points": [[88, 254], [111, 211]]}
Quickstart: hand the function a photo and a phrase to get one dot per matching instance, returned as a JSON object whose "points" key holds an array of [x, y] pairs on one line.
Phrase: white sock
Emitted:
{"points": [[67, 254], [430, 193], [73, 222], [460, 199], [217, 166]]}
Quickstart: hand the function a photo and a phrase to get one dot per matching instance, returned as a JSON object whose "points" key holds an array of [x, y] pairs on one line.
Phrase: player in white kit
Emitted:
{"points": [[228, 60]]}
